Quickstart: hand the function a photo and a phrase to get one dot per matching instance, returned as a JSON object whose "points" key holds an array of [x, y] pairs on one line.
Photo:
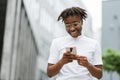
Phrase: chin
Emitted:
{"points": [[74, 36]]}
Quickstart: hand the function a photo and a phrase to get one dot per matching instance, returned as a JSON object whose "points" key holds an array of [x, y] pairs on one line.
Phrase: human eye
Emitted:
{"points": [[67, 25], [75, 24]]}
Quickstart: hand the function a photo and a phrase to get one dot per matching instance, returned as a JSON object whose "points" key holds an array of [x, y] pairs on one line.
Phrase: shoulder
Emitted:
{"points": [[60, 39], [91, 43], [90, 40]]}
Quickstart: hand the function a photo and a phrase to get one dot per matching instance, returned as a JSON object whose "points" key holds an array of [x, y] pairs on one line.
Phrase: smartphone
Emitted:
{"points": [[72, 50]]}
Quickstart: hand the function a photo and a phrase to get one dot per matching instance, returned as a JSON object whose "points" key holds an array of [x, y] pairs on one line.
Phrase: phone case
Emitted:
{"points": [[72, 50]]}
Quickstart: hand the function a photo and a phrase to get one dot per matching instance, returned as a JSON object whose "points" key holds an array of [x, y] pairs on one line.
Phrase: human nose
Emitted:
{"points": [[72, 28]]}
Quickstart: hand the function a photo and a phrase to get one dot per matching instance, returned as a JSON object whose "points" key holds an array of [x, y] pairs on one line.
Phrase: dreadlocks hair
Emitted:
{"points": [[72, 12]]}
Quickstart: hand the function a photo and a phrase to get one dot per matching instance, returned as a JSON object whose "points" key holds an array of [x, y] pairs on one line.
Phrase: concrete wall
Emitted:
{"points": [[111, 25], [111, 31], [19, 49], [3, 5]]}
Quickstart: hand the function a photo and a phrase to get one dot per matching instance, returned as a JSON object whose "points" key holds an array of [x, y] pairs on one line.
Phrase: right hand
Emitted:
{"points": [[68, 57]]}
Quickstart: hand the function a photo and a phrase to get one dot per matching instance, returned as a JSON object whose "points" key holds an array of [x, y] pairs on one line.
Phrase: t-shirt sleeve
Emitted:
{"points": [[54, 54], [97, 60]]}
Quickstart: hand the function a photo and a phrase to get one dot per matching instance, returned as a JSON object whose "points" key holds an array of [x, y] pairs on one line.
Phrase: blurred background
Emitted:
{"points": [[27, 28]]}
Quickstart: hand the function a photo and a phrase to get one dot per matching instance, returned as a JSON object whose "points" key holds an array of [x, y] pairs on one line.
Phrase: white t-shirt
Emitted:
{"points": [[85, 47]]}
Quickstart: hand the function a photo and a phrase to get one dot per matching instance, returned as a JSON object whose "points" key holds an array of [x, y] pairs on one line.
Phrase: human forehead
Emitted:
{"points": [[71, 19]]}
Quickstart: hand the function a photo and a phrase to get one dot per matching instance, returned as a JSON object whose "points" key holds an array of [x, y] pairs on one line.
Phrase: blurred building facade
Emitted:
{"points": [[3, 5], [110, 30], [19, 51], [111, 25], [31, 25]]}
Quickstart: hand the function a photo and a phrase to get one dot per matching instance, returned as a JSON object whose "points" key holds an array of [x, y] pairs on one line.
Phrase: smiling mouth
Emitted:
{"points": [[74, 32]]}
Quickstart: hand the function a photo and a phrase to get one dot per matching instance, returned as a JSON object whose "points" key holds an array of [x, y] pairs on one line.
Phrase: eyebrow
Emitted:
{"points": [[72, 22]]}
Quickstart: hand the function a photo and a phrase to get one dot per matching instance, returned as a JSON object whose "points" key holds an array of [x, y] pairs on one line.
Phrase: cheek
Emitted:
{"points": [[80, 28], [67, 29]]}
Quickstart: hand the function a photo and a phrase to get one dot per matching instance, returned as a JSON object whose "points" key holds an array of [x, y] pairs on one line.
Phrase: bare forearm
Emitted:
{"points": [[54, 69], [96, 71]]}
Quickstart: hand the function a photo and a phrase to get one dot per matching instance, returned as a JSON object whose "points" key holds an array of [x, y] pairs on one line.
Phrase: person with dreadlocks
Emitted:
{"points": [[86, 63]]}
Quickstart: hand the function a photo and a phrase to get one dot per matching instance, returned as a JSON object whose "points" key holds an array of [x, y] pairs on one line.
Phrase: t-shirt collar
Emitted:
{"points": [[79, 37]]}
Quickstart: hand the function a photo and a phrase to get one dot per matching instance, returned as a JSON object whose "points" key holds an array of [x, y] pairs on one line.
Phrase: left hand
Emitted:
{"points": [[82, 60]]}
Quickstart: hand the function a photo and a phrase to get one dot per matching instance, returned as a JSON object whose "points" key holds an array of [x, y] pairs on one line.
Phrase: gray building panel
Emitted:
{"points": [[110, 31], [111, 25], [19, 49]]}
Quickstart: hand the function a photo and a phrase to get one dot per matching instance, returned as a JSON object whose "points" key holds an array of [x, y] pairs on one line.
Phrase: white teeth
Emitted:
{"points": [[74, 32]]}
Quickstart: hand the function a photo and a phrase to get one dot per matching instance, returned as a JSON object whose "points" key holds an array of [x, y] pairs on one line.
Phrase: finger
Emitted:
{"points": [[73, 54], [77, 56], [80, 59], [82, 56], [80, 63], [66, 54], [73, 57], [70, 60], [83, 59]]}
